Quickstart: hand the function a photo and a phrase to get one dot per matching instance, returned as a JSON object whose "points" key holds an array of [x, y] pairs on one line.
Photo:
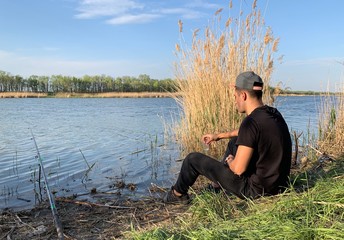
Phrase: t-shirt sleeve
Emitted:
{"points": [[248, 133]]}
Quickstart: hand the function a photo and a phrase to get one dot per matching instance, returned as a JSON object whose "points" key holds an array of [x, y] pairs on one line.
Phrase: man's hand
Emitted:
{"points": [[239, 163], [229, 159], [209, 138]]}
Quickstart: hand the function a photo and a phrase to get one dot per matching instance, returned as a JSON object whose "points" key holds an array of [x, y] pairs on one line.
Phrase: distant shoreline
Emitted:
{"points": [[89, 95], [118, 95]]}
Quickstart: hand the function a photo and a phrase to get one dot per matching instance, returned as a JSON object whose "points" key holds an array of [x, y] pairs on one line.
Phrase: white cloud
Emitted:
{"points": [[185, 13], [126, 19], [99, 8], [202, 4], [130, 11]]}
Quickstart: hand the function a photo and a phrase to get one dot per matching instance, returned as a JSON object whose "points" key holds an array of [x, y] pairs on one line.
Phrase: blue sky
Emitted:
{"points": [[133, 37]]}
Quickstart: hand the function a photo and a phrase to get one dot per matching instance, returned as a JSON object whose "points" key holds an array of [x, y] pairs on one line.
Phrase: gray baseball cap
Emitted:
{"points": [[249, 81]]}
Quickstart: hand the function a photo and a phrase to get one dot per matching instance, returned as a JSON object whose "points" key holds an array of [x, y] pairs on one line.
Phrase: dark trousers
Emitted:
{"points": [[196, 164]]}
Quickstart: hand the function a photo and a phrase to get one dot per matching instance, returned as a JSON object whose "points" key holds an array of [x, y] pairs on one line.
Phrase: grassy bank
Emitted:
{"points": [[89, 95], [313, 208]]}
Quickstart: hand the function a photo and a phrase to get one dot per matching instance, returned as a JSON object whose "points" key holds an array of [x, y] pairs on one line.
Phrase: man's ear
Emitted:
{"points": [[244, 95]]}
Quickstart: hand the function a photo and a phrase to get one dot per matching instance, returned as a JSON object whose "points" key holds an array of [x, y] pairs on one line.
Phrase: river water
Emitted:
{"points": [[96, 143]]}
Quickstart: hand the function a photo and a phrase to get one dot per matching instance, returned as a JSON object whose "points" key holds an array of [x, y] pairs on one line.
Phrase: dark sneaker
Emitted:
{"points": [[171, 198], [211, 188]]}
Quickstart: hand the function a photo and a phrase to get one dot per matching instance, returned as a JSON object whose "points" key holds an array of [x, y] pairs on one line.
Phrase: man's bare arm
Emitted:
{"points": [[239, 163], [208, 138]]}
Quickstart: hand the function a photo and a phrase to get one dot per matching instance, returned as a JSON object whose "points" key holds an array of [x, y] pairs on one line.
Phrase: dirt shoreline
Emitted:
{"points": [[84, 220], [81, 219], [109, 217]]}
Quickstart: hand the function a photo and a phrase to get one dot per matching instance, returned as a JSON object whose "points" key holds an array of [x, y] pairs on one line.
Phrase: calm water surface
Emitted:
{"points": [[122, 139], [300, 112]]}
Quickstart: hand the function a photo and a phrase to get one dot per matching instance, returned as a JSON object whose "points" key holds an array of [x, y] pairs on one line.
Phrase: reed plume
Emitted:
{"points": [[205, 70]]}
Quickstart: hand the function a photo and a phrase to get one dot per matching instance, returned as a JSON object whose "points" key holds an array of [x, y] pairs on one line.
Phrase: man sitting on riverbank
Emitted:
{"points": [[258, 157]]}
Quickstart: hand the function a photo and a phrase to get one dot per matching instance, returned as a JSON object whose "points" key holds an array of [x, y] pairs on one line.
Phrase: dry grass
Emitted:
{"points": [[22, 95], [205, 71], [117, 95], [331, 124]]}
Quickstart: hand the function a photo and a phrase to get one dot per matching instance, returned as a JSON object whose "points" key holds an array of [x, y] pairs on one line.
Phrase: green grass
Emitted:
{"points": [[313, 208]]}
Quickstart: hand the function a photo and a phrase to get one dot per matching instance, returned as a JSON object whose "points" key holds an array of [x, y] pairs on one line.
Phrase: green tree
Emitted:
{"points": [[32, 83], [5, 79], [43, 84], [18, 83]]}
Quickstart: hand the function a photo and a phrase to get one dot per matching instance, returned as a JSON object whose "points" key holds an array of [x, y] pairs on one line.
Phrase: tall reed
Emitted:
{"points": [[331, 124], [205, 71]]}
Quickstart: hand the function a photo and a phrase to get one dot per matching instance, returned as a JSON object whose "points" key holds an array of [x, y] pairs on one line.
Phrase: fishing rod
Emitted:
{"points": [[57, 221]]}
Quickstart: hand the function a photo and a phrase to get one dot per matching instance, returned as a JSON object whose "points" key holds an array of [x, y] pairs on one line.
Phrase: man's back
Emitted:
{"points": [[266, 132]]}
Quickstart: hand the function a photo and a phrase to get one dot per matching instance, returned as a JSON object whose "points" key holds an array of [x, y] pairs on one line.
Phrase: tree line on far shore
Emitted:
{"points": [[101, 84], [85, 84]]}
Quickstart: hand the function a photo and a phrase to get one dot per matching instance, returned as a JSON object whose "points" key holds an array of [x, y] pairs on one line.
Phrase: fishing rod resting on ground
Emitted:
{"points": [[57, 221]]}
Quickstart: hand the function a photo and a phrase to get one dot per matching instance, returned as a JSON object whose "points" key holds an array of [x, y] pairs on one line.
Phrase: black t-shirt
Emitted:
{"points": [[267, 133]]}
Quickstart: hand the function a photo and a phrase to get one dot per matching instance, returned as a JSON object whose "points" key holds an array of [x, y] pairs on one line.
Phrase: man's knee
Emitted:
{"points": [[195, 159], [194, 156]]}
